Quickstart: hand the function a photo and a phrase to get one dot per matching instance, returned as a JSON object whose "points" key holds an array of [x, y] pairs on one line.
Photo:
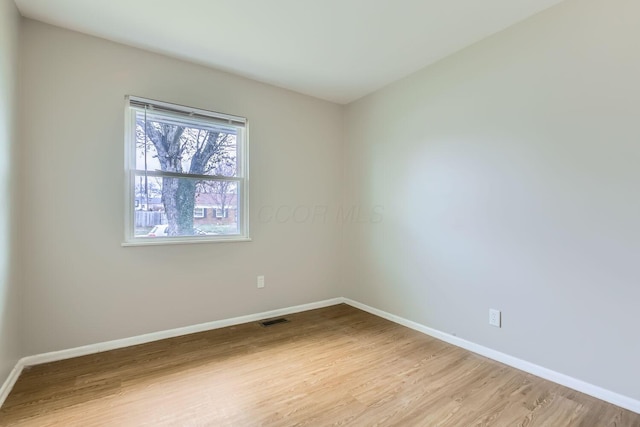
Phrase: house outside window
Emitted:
{"points": [[181, 163], [198, 212]]}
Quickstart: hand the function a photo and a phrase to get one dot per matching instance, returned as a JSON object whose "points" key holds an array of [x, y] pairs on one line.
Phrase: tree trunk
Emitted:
{"points": [[185, 195], [178, 197]]}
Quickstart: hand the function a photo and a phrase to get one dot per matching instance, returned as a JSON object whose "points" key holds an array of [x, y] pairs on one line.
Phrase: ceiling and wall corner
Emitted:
{"points": [[333, 49]]}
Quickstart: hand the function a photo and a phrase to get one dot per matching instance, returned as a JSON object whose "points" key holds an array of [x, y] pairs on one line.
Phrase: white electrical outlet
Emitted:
{"points": [[260, 281], [495, 318]]}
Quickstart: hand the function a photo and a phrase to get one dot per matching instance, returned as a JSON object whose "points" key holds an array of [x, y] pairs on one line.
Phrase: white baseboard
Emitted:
{"points": [[154, 336], [171, 333], [6, 387], [531, 368], [562, 379]]}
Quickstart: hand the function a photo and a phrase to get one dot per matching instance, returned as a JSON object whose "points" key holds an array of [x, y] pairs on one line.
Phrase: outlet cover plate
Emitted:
{"points": [[495, 318]]}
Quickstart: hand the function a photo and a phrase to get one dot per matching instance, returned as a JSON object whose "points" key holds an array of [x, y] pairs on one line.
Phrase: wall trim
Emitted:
{"points": [[523, 365], [6, 387], [55, 356]]}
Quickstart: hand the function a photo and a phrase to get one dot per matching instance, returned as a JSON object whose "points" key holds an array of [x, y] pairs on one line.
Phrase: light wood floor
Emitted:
{"points": [[332, 366]]}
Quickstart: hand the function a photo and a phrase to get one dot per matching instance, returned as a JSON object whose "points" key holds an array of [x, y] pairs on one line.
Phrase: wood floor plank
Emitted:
{"points": [[333, 366]]}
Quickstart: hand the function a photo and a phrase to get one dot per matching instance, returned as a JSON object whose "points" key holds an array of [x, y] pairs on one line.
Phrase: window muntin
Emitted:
{"points": [[182, 163]]}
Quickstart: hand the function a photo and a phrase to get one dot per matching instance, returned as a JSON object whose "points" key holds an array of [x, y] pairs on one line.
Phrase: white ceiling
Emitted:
{"points": [[338, 50]]}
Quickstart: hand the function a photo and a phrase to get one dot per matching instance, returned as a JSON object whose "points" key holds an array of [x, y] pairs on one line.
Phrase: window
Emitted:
{"points": [[198, 212], [180, 162]]}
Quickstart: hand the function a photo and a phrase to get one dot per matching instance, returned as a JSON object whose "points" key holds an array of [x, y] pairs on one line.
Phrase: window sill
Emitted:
{"points": [[161, 241]]}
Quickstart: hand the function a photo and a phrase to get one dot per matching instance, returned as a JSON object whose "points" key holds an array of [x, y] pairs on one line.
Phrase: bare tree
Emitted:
{"points": [[175, 146]]}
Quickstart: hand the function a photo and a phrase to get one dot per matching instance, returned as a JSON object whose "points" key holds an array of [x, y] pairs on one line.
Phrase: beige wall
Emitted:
{"points": [[9, 291], [81, 286], [509, 175]]}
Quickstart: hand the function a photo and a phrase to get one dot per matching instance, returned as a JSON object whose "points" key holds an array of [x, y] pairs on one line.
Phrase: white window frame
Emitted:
{"points": [[200, 212], [242, 176]]}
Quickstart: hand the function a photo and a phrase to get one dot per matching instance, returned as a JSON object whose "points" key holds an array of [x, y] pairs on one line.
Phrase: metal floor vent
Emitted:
{"points": [[272, 322]]}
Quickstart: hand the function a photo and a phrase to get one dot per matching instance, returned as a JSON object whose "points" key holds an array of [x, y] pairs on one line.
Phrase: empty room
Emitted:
{"points": [[300, 212]]}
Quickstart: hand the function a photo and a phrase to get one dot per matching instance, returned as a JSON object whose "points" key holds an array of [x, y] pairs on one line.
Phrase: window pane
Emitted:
{"points": [[166, 143], [178, 207]]}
